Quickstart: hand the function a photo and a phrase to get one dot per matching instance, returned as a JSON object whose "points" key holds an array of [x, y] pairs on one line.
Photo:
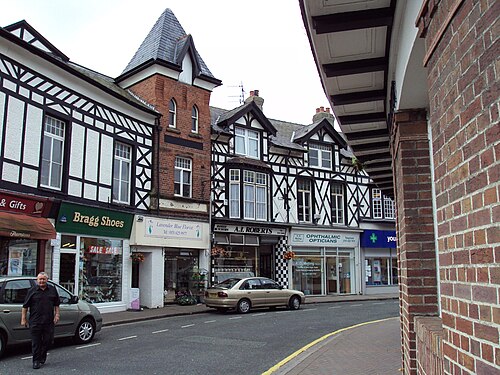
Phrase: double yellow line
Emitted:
{"points": [[304, 348]]}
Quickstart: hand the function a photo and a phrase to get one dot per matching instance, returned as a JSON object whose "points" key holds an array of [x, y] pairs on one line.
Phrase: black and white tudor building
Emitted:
{"points": [[290, 202], [79, 183]]}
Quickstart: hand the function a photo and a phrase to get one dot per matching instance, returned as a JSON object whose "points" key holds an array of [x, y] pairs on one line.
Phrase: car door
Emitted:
{"points": [[12, 298], [252, 290], [275, 295], [69, 313]]}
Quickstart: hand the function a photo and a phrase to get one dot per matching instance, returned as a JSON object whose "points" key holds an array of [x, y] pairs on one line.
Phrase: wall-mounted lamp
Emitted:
{"points": [[140, 219]]}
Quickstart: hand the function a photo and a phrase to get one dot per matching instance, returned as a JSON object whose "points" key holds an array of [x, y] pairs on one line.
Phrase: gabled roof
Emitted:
{"points": [[23, 30], [167, 44], [308, 131], [227, 118], [24, 35]]}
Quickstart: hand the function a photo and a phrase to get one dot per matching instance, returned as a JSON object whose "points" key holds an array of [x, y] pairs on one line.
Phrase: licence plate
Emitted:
{"points": [[212, 295]]}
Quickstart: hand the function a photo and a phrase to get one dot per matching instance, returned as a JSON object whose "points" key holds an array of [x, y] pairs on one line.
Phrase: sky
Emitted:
{"points": [[250, 45]]}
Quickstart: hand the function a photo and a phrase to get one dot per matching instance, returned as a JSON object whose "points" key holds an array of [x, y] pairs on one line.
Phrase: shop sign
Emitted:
{"points": [[245, 229], [77, 219], [325, 239], [104, 250], [24, 205], [379, 239], [182, 230]]}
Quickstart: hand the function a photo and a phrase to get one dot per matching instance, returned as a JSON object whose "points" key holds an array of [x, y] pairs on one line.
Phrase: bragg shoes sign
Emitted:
{"points": [[77, 219]]}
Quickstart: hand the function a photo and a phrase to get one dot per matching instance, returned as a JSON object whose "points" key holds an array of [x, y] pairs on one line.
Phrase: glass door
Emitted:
{"points": [[68, 266], [332, 284], [346, 275]]}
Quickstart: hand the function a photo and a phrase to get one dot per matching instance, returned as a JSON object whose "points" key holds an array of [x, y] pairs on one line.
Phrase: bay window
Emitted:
{"points": [[250, 193]]}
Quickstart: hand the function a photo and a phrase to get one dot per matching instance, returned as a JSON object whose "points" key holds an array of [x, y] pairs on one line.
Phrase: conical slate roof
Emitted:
{"points": [[166, 42]]}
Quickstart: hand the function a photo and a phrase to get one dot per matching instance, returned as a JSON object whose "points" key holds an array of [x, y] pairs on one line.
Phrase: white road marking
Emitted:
{"points": [[335, 307], [189, 325], [283, 312], [236, 317], [308, 309], [127, 338], [28, 357], [259, 314], [359, 304], [88, 346], [210, 321], [378, 303], [160, 331]]}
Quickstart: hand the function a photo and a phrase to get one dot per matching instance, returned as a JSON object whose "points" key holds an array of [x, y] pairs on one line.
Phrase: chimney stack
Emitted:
{"points": [[322, 113], [254, 97]]}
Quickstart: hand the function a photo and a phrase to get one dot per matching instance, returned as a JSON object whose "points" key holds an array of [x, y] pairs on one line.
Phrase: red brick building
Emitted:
{"points": [[414, 85]]}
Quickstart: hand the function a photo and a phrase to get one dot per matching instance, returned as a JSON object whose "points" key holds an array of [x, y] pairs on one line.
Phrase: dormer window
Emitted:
{"points": [[172, 114], [247, 143], [194, 120], [320, 156]]}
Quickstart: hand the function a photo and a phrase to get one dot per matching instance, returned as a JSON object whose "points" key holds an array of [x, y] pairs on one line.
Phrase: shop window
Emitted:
{"points": [[122, 168], [18, 257], [52, 153], [320, 156], [381, 271], [337, 203], [101, 275], [182, 177], [307, 274], [194, 120], [172, 113], [377, 203], [304, 200], [247, 143]]}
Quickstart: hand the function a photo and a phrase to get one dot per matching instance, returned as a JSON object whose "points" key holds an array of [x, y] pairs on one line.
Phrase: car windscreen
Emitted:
{"points": [[227, 284]]}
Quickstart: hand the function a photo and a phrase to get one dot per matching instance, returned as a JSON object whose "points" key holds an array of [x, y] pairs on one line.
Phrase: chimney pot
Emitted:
{"points": [[328, 110], [322, 109], [251, 93], [256, 92], [317, 110]]}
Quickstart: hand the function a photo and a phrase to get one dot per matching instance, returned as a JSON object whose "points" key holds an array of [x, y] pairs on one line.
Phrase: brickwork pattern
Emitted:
{"points": [[463, 79], [429, 333], [416, 241], [159, 90]]}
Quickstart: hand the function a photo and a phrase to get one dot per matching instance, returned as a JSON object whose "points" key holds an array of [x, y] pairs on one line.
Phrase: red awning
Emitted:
{"points": [[24, 226]]}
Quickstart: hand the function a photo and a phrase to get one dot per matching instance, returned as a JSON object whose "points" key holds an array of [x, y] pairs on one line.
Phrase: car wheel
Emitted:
{"points": [[294, 303], [3, 343], [244, 306], [85, 331]]}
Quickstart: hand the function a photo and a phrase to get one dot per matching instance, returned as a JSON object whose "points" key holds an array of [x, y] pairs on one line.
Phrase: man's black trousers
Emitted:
{"points": [[41, 338]]}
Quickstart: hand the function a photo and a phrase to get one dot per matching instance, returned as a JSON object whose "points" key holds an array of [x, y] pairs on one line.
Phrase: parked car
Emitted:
{"points": [[243, 294], [78, 319]]}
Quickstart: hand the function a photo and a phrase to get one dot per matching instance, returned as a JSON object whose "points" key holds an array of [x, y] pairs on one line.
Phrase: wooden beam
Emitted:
{"points": [[369, 134], [358, 97], [362, 119], [355, 67], [346, 21]]}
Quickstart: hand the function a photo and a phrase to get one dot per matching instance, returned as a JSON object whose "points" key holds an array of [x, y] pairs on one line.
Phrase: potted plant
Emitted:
{"points": [[137, 257], [289, 255]]}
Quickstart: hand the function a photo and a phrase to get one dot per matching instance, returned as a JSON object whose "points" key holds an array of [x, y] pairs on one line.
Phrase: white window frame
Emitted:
{"points": [[245, 138], [377, 203], [304, 212], [195, 120], [182, 167], [389, 209], [52, 167], [122, 161], [323, 156], [252, 188], [172, 113], [234, 193], [337, 191]]}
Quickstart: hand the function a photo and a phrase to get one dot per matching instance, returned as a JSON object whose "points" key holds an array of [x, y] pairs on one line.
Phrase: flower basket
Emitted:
{"points": [[218, 251], [137, 257], [289, 255]]}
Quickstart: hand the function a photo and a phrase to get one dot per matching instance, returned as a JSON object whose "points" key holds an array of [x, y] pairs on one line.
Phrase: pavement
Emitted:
{"points": [[368, 348]]}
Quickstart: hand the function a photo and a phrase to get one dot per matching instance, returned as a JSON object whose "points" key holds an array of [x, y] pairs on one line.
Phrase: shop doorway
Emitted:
{"points": [[67, 269], [182, 275], [332, 284]]}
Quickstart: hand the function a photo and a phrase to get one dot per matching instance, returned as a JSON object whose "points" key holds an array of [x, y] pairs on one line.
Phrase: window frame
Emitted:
{"points": [[247, 139], [195, 116], [389, 208], [338, 214], [302, 196], [182, 184], [119, 180], [172, 114], [248, 195], [321, 149], [53, 138], [377, 207]]}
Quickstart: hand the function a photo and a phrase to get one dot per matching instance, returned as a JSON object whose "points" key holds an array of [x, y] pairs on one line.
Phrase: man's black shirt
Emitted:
{"points": [[41, 304]]}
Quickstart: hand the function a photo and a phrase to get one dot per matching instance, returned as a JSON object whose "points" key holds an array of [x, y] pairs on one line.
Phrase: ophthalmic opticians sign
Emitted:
{"points": [[325, 239]]}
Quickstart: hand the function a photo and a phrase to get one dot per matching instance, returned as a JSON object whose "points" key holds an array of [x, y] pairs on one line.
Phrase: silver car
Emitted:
{"points": [[78, 319], [247, 293]]}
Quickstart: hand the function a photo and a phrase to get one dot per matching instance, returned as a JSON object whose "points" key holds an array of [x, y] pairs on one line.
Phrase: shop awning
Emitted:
{"points": [[24, 226]]}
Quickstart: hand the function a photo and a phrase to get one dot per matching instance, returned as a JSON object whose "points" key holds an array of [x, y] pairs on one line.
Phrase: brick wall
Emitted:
{"points": [[416, 241], [159, 90], [463, 79], [429, 334]]}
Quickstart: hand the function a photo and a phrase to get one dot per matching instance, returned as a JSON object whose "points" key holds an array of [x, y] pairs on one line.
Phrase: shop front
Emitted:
{"points": [[378, 248], [92, 256], [324, 262], [25, 232], [175, 260], [244, 250]]}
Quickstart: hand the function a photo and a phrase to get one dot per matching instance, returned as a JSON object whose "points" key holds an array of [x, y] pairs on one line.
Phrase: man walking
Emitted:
{"points": [[43, 303]]}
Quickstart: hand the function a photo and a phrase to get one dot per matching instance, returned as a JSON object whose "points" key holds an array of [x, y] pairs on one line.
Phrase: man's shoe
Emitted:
{"points": [[36, 365], [42, 362]]}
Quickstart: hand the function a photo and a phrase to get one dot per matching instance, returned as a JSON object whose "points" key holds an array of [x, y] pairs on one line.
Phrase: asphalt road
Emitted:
{"points": [[211, 343]]}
